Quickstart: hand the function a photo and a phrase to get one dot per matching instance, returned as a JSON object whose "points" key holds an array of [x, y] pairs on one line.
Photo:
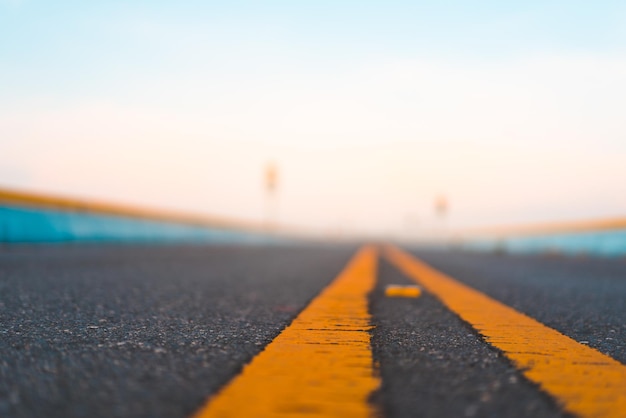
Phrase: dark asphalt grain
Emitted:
{"points": [[433, 364], [152, 331], [582, 297], [125, 331]]}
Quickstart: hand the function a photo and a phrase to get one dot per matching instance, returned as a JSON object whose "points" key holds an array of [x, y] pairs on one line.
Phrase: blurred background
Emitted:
{"points": [[395, 118]]}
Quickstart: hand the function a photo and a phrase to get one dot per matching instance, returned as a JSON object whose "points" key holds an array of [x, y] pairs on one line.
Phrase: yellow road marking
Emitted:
{"points": [[320, 365], [397, 291], [583, 380]]}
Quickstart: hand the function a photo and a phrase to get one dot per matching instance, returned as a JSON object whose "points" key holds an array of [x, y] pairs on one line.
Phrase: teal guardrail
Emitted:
{"points": [[603, 243], [25, 224], [32, 218]]}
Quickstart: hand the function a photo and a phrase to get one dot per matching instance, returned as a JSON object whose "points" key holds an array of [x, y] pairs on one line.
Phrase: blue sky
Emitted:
{"points": [[76, 48], [145, 101]]}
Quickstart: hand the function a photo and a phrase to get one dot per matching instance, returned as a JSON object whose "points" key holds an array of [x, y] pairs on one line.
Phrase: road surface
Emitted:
{"points": [[164, 331]]}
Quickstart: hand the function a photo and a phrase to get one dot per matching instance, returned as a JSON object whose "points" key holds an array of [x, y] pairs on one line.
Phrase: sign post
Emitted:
{"points": [[271, 184]]}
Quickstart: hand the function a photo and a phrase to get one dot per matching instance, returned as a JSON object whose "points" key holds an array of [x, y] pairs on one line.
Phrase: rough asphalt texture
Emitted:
{"points": [[433, 364], [582, 297], [152, 331], [122, 331]]}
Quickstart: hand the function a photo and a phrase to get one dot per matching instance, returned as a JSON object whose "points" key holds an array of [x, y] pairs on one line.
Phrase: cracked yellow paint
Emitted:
{"points": [[319, 366], [581, 379]]}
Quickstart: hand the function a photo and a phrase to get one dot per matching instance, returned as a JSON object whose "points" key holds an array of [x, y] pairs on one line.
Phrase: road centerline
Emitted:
{"points": [[320, 365], [581, 379]]}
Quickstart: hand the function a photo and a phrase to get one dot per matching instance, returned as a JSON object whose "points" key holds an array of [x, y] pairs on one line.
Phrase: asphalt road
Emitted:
{"points": [[582, 297], [152, 331]]}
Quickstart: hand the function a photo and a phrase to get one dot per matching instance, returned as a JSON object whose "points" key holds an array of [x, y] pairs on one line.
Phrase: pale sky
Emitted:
{"points": [[512, 110]]}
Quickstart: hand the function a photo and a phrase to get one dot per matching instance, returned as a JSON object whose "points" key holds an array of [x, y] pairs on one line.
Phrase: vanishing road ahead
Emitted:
{"points": [[165, 331]]}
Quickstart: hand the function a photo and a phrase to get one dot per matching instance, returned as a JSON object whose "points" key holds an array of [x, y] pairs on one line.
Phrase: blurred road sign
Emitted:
{"points": [[441, 206], [271, 177]]}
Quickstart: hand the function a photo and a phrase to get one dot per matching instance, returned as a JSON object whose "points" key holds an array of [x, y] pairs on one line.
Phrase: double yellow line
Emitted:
{"points": [[321, 365]]}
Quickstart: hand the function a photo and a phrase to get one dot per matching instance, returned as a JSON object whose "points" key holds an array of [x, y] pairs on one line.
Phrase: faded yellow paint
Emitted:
{"points": [[583, 380], [396, 291], [319, 366]]}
